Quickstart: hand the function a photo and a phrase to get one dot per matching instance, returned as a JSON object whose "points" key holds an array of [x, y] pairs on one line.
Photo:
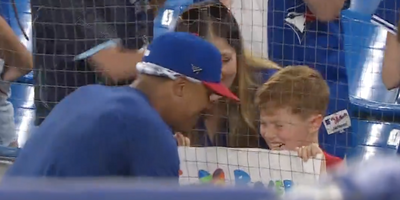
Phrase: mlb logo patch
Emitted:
{"points": [[337, 122]]}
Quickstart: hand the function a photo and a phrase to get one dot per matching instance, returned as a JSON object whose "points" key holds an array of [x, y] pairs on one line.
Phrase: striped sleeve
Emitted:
{"points": [[387, 15]]}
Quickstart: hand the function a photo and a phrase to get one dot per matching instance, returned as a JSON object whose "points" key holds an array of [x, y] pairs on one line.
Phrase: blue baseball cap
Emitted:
{"points": [[184, 54]]}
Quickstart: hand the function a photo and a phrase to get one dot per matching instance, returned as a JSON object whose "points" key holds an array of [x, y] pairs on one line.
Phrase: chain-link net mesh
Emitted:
{"points": [[257, 36]]}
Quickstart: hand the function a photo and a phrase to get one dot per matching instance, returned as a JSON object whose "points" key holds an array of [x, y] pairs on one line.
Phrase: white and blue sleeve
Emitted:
{"points": [[387, 15]]}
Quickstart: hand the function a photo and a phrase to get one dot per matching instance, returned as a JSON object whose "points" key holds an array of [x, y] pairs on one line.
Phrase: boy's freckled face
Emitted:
{"points": [[283, 130]]}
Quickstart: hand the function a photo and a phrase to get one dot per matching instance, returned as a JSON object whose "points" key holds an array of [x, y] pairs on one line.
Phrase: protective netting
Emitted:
{"points": [[361, 119]]}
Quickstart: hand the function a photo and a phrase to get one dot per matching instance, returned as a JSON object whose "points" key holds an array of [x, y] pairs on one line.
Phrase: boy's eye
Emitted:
{"points": [[263, 124], [278, 125]]}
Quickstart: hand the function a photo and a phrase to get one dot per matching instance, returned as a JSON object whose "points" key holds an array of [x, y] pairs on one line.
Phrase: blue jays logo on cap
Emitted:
{"points": [[177, 54]]}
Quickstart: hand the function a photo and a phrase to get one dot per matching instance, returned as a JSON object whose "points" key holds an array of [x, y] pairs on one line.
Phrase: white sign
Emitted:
{"points": [[219, 165]]}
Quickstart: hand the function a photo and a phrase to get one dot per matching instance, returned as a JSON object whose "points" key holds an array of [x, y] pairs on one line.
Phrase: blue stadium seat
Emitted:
{"points": [[27, 79], [364, 153], [377, 134], [365, 7], [22, 96], [373, 139], [364, 44], [24, 123]]}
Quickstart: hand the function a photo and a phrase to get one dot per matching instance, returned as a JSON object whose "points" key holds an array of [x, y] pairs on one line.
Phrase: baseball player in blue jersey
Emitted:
{"points": [[128, 131]]}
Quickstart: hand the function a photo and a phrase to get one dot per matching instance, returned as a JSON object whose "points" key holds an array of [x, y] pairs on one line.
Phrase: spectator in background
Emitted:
{"points": [[63, 29], [16, 61], [387, 16], [308, 32]]}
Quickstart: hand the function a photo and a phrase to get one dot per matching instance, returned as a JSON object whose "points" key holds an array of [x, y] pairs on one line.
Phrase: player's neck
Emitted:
{"points": [[153, 96]]}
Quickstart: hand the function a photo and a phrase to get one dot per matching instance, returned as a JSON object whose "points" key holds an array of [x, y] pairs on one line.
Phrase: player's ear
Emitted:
{"points": [[178, 86]]}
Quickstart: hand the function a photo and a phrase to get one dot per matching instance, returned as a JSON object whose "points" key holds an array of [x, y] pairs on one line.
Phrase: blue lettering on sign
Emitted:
{"points": [[243, 178]]}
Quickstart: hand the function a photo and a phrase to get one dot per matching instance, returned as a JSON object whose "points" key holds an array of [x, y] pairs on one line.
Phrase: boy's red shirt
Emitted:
{"points": [[331, 161]]}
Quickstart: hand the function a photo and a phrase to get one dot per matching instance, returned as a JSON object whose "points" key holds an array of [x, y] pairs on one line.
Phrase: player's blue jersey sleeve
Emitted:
{"points": [[153, 150], [387, 15]]}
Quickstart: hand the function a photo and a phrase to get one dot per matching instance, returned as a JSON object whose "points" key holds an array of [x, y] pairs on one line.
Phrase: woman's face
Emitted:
{"points": [[229, 68]]}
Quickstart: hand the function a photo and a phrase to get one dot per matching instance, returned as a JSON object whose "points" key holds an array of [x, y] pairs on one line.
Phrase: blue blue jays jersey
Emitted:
{"points": [[295, 37], [387, 15]]}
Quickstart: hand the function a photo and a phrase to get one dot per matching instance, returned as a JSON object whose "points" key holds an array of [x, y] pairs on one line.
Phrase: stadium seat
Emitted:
{"points": [[364, 153], [364, 44], [373, 139], [24, 123], [22, 96], [377, 134], [27, 79], [365, 7]]}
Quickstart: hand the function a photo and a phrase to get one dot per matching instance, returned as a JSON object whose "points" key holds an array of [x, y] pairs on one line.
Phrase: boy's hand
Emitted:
{"points": [[309, 152], [182, 140]]}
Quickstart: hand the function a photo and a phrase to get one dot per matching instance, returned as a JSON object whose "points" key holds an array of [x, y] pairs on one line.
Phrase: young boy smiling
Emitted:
{"points": [[292, 104]]}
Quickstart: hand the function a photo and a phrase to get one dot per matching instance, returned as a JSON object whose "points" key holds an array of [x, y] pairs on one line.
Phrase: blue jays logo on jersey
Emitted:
{"points": [[297, 18]]}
